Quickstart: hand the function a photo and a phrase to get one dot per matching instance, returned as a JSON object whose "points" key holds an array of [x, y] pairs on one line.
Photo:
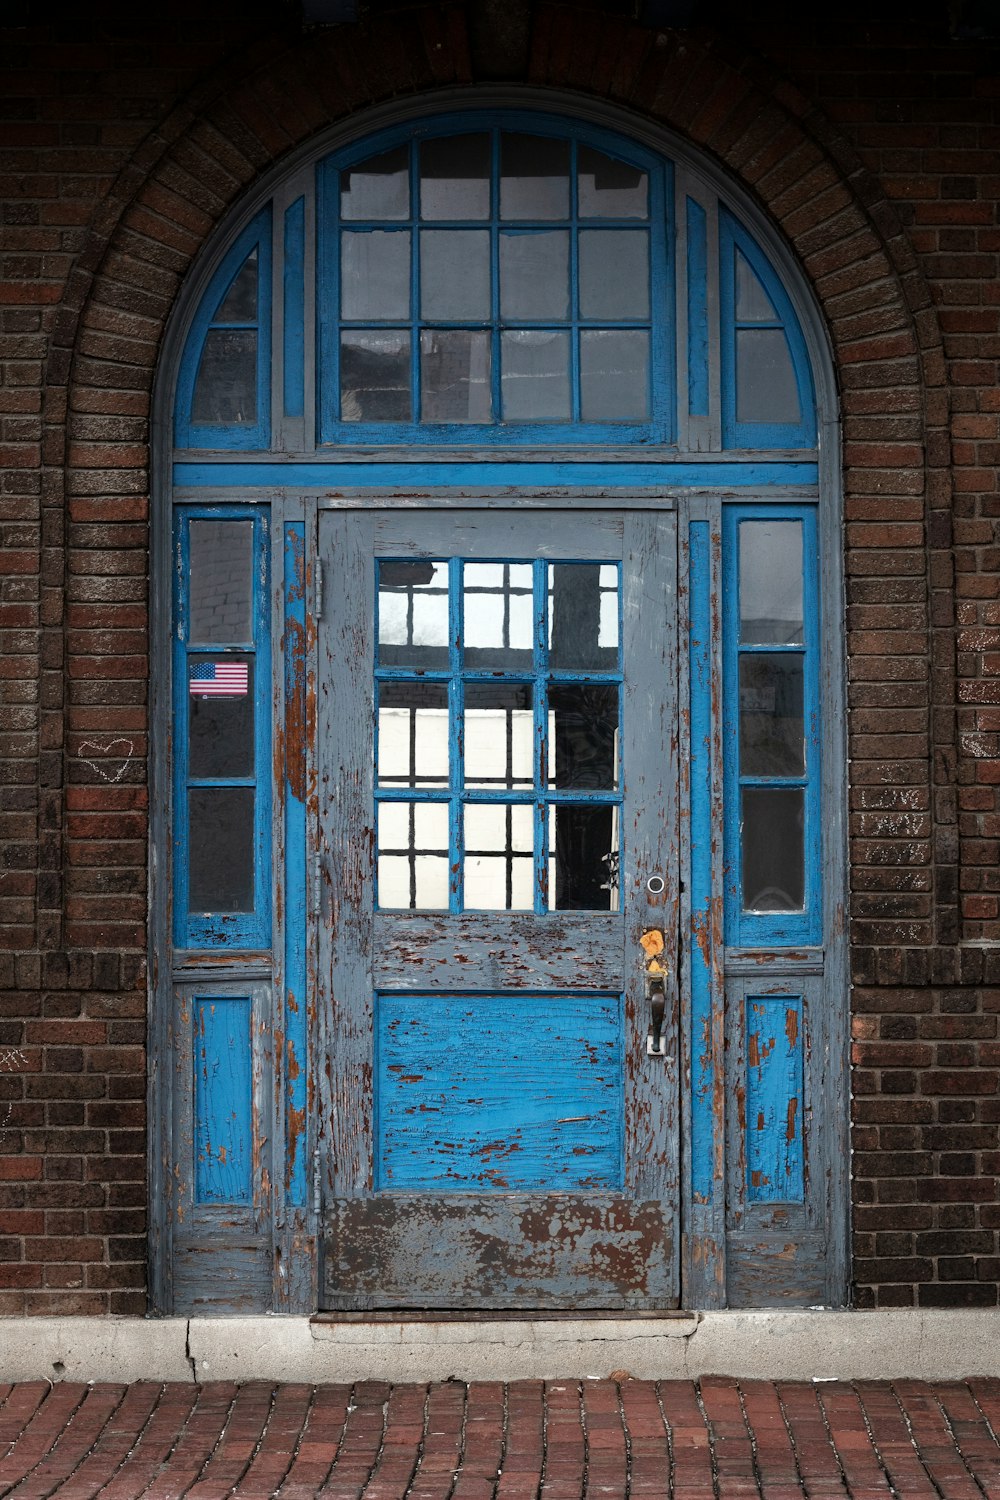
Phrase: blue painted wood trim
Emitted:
{"points": [[257, 235], [223, 1099], [774, 1105], [697, 311], [293, 324], [295, 999], [772, 929], [700, 875], [475, 477]]}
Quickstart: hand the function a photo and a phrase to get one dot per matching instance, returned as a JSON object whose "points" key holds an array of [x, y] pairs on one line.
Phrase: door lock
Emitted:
{"points": [[656, 1044]]}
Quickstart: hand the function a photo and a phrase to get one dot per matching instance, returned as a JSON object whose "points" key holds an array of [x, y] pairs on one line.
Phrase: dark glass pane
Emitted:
{"points": [[583, 858], [455, 178], [413, 615], [614, 273], [773, 856], [413, 866], [534, 375], [375, 375], [771, 611], [455, 274], [583, 617], [221, 849], [534, 275], [614, 375], [499, 735], [772, 725], [766, 390], [378, 188], [610, 189], [375, 275], [534, 177], [498, 616], [239, 305], [499, 864], [753, 305], [413, 734], [583, 736], [455, 375], [220, 582], [220, 716], [225, 388]]}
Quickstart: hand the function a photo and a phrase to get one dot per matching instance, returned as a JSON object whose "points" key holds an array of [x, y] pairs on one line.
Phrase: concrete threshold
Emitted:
{"points": [[802, 1344]]}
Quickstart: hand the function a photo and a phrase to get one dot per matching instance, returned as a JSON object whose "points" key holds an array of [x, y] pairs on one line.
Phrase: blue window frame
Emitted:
{"points": [[222, 728]]}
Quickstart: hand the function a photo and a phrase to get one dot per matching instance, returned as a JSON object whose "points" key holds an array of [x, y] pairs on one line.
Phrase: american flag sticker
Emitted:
{"points": [[218, 679]]}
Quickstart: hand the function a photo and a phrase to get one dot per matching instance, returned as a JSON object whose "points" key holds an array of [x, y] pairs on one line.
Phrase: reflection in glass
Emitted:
{"points": [[766, 389], [771, 715], [773, 855], [499, 735], [220, 722], [753, 305], [583, 736], [375, 375], [499, 858], [375, 274], [220, 849], [497, 615], [534, 375], [583, 858], [609, 188], [614, 273], [771, 583], [225, 388], [220, 582], [534, 177], [378, 188], [455, 177], [455, 375], [583, 617], [413, 734], [413, 614], [614, 375], [534, 275], [413, 856], [239, 305], [455, 274]]}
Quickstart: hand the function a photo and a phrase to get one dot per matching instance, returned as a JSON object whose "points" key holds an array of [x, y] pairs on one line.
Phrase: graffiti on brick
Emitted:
{"points": [[120, 751]]}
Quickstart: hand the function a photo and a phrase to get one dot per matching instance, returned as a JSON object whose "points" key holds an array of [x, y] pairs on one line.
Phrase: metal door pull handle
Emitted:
{"points": [[656, 1045]]}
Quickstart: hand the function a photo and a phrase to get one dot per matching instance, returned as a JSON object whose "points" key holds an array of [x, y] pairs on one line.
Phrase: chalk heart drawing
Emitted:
{"points": [[120, 750], [11, 1061]]}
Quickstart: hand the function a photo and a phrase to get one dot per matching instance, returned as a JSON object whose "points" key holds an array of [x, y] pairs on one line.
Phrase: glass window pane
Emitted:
{"points": [[220, 716], [583, 617], [614, 375], [375, 275], [609, 188], [413, 856], [534, 275], [497, 616], [583, 736], [413, 734], [534, 177], [583, 858], [614, 273], [455, 274], [455, 375], [753, 305], [220, 588], [499, 735], [771, 610], [773, 857], [378, 188], [375, 375], [239, 305], [499, 862], [225, 388], [766, 390], [772, 724], [455, 177], [534, 375], [413, 614], [220, 849]]}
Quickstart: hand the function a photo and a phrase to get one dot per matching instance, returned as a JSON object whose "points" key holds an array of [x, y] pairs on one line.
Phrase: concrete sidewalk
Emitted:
{"points": [[528, 1440]]}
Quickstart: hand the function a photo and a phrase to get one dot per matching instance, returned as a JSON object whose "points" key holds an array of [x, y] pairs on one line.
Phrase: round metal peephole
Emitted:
{"points": [[655, 885]]}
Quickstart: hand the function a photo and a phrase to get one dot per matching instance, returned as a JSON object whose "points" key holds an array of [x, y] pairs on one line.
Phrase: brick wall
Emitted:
{"points": [[124, 139]]}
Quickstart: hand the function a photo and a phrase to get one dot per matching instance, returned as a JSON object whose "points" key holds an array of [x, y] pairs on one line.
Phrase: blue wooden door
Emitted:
{"points": [[497, 801]]}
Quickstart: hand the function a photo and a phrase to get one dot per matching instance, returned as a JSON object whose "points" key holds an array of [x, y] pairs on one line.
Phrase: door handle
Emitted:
{"points": [[656, 1045]]}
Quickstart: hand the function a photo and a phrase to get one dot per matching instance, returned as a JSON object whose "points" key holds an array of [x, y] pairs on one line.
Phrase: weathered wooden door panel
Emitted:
{"points": [[498, 833]]}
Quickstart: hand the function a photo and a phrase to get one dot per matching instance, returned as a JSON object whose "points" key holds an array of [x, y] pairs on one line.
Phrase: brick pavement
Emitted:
{"points": [[531, 1440]]}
